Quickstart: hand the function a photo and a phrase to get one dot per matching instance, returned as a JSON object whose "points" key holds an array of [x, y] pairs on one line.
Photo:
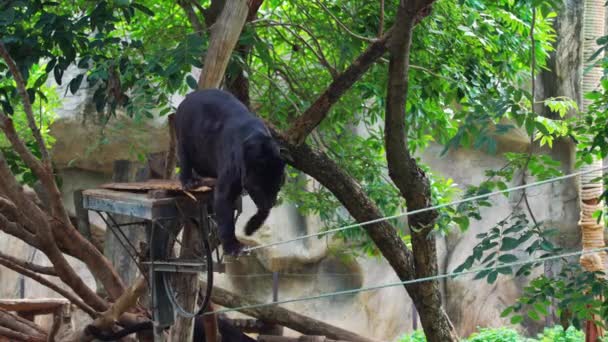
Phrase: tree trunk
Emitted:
{"points": [[412, 182], [225, 33], [191, 238]]}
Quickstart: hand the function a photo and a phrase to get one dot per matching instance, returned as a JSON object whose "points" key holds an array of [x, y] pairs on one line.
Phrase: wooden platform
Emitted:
{"points": [[141, 199], [158, 184]]}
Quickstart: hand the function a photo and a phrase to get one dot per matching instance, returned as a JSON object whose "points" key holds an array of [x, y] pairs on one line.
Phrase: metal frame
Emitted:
{"points": [[157, 214]]}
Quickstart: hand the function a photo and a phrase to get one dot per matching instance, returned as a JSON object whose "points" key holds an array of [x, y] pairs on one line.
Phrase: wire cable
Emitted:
{"points": [[410, 282], [418, 211]]}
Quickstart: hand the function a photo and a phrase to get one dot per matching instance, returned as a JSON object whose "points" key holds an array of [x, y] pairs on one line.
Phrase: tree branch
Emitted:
{"points": [[27, 105], [312, 117], [29, 265], [45, 238], [186, 5], [322, 168], [43, 281], [60, 226], [17, 323], [44, 172], [19, 336], [19, 230]]}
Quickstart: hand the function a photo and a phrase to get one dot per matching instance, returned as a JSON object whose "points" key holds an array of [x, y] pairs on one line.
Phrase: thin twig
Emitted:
{"points": [[27, 105], [381, 25], [533, 94], [319, 54], [192, 17], [341, 24]]}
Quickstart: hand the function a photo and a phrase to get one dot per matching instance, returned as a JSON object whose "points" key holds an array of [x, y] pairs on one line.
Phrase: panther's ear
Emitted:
{"points": [[286, 154]]}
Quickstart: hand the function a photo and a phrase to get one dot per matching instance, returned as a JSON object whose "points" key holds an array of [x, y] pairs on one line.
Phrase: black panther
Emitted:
{"points": [[218, 137]]}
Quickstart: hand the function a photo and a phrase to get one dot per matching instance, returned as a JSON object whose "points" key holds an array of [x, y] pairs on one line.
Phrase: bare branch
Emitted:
{"points": [[17, 323], [116, 312], [17, 199], [19, 336], [126, 301], [44, 172], [6, 124], [27, 105], [45, 238], [341, 24], [43, 281], [29, 265]]}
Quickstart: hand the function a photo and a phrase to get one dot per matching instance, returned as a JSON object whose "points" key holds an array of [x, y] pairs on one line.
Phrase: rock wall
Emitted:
{"points": [[309, 268], [84, 153]]}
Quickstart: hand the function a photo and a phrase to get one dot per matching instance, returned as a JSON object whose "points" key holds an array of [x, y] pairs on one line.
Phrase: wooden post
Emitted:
{"points": [[82, 216], [191, 239]]}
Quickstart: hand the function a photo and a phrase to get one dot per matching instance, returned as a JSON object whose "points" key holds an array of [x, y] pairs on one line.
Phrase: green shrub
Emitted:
{"points": [[557, 334], [496, 335], [554, 334], [416, 336]]}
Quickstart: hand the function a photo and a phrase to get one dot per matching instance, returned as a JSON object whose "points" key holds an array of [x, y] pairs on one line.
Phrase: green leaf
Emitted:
{"points": [[516, 319], [492, 277], [191, 82], [143, 8], [462, 221], [534, 315], [505, 270], [75, 83], [509, 243], [507, 258]]}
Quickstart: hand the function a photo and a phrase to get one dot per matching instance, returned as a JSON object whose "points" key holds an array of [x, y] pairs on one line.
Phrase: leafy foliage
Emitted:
{"points": [[554, 334], [44, 106], [575, 292], [498, 246]]}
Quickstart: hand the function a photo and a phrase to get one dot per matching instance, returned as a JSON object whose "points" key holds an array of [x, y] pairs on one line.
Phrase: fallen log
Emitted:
{"points": [[285, 317]]}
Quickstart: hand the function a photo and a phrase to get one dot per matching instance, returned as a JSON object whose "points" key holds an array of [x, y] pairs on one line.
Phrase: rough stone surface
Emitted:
{"points": [[312, 267]]}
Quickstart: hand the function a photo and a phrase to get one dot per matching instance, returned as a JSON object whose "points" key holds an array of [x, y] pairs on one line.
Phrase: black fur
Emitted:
{"points": [[218, 137]]}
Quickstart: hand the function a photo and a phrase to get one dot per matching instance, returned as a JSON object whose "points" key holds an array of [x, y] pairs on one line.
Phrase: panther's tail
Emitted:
{"points": [[256, 221]]}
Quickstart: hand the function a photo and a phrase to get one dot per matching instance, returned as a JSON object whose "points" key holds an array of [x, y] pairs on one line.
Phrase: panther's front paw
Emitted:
{"points": [[234, 249]]}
